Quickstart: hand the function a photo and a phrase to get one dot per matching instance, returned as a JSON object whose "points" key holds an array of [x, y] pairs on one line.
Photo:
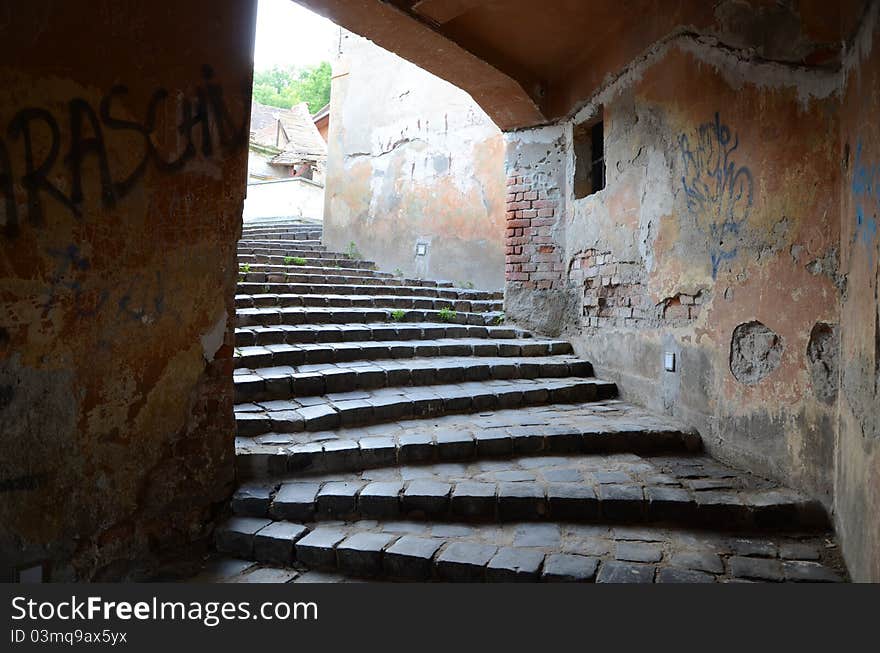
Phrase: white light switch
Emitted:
{"points": [[669, 361]]}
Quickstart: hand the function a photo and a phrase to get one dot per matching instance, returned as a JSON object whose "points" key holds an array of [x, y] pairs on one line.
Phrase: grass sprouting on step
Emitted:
{"points": [[353, 252], [499, 320], [398, 314], [244, 268], [294, 260], [446, 314]]}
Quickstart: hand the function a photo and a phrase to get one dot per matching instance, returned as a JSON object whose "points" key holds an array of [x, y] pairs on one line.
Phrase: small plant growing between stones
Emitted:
{"points": [[446, 314], [398, 314], [244, 268], [398, 272], [499, 320], [469, 285], [297, 260], [288, 260], [353, 251]]}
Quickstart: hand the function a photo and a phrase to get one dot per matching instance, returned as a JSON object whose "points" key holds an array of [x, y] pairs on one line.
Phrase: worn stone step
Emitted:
{"points": [[313, 379], [376, 300], [277, 237], [685, 490], [514, 552], [252, 256], [296, 272], [376, 287], [321, 412], [342, 264], [322, 315], [280, 246], [341, 352], [360, 332], [597, 427]]}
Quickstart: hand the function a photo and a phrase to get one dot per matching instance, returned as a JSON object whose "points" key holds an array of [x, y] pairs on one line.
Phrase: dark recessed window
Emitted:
{"points": [[589, 159]]}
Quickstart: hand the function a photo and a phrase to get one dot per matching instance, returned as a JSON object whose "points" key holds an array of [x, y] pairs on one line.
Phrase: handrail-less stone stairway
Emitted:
{"points": [[395, 428]]}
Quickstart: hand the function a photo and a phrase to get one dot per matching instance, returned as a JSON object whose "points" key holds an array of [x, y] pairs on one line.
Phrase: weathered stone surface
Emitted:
{"points": [[361, 554], [568, 568], [755, 352], [461, 561], [318, 548], [275, 542], [514, 565], [411, 557], [236, 536], [624, 572]]}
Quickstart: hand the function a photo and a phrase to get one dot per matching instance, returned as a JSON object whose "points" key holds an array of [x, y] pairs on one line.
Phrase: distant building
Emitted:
{"points": [[286, 162], [322, 121], [285, 143]]}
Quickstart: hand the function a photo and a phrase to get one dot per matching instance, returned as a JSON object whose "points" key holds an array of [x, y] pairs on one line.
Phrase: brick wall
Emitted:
{"points": [[615, 294], [533, 259]]}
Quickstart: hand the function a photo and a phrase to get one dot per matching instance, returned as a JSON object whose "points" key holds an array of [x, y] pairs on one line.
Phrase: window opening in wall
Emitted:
{"points": [[589, 154]]}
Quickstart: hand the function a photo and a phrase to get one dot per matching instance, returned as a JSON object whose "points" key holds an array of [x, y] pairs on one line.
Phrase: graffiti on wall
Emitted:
{"points": [[205, 126], [719, 193], [866, 193]]}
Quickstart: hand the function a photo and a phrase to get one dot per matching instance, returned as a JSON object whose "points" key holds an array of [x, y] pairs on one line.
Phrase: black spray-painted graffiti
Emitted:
{"points": [[202, 121], [719, 194]]}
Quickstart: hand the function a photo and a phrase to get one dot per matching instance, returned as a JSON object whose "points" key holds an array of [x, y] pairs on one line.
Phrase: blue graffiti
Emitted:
{"points": [[719, 194], [866, 192]]}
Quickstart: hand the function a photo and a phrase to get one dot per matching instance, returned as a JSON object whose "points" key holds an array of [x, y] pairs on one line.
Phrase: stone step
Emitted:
{"points": [[345, 264], [320, 412], [280, 237], [295, 250], [376, 300], [604, 427], [323, 315], [280, 246], [284, 382], [341, 352], [684, 490], [330, 279], [385, 287], [294, 274], [252, 256], [512, 552], [359, 332]]}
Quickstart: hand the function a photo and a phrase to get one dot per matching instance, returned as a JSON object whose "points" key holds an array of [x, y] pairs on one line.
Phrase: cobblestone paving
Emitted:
{"points": [[396, 429]]}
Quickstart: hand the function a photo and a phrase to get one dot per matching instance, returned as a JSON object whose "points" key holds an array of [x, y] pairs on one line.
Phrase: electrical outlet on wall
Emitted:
{"points": [[669, 361]]}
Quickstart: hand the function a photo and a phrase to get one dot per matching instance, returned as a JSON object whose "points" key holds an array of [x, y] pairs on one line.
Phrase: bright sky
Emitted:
{"points": [[288, 34]]}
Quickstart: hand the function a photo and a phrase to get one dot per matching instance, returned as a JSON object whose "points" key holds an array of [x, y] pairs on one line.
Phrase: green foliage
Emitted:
{"points": [[446, 314], [244, 268], [466, 284], [398, 314], [353, 251], [297, 260], [398, 272], [284, 87], [499, 320]]}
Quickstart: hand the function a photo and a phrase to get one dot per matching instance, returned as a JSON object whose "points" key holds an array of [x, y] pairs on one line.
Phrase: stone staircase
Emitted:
{"points": [[394, 428]]}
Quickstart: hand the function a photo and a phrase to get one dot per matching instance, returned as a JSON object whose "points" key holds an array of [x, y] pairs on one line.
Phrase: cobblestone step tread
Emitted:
{"points": [[319, 412], [342, 551], [596, 427], [341, 352], [682, 489], [283, 382], [352, 332]]}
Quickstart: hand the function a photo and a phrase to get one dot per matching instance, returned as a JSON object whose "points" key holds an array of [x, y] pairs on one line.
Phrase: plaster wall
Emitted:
{"points": [[413, 159], [295, 197], [721, 209], [122, 176], [857, 477]]}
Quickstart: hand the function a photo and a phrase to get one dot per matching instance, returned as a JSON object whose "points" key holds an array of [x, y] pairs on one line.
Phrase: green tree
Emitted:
{"points": [[284, 87]]}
